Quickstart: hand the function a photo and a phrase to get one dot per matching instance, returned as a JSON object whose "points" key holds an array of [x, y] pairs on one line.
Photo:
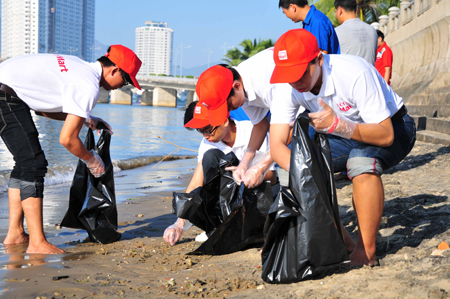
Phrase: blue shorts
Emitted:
{"points": [[358, 158]]}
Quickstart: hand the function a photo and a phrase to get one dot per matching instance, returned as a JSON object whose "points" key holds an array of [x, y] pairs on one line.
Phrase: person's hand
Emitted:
{"points": [[93, 122], [254, 176], [173, 233], [95, 164], [239, 171], [325, 121]]}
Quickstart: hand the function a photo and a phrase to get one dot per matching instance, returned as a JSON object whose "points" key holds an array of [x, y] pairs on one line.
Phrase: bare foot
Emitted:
{"points": [[19, 238], [360, 257], [44, 248]]}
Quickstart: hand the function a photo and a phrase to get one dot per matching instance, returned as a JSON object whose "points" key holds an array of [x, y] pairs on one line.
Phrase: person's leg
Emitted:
{"points": [[16, 233], [21, 138]]}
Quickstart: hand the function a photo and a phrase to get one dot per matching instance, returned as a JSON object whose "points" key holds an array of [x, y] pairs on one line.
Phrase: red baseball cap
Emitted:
{"points": [[213, 87], [293, 51], [201, 118], [126, 60]]}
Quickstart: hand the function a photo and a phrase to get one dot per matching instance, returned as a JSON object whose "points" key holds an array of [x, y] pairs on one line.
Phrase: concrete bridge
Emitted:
{"points": [[158, 91], [419, 35]]}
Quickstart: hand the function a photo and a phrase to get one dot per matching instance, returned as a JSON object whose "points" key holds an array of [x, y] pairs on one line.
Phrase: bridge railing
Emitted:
{"points": [[167, 79]]}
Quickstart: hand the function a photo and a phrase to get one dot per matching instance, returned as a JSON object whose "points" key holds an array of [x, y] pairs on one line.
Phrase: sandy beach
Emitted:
{"points": [[415, 221]]}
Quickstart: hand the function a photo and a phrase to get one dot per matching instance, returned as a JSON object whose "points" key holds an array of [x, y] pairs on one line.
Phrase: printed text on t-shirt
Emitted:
{"points": [[343, 106], [62, 63]]}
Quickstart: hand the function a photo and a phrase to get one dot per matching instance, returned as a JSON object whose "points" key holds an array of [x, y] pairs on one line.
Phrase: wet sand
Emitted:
{"points": [[416, 220]]}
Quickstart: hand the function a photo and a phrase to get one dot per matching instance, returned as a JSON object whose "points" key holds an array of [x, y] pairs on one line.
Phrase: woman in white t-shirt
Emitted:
{"points": [[231, 136]]}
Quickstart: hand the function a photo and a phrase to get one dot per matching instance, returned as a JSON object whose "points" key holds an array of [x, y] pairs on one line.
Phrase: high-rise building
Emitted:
{"points": [[48, 26], [154, 48]]}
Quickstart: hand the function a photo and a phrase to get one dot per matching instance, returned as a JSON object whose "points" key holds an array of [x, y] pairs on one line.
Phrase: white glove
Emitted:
{"points": [[93, 121], [95, 164], [173, 233], [325, 121]]}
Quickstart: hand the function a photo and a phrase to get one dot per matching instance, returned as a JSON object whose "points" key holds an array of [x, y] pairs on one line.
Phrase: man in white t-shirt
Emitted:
{"points": [[222, 89], [369, 125], [230, 136], [60, 87]]}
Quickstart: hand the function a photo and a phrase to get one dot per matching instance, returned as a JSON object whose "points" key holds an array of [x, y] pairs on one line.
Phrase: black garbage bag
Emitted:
{"points": [[303, 230], [241, 216], [92, 202]]}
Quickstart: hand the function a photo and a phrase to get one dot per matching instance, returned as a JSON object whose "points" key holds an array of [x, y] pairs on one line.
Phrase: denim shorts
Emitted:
{"points": [[20, 136], [358, 158]]}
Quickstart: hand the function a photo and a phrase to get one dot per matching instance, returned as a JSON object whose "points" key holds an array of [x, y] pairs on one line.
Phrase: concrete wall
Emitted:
{"points": [[421, 68], [121, 96], [104, 96], [164, 97]]}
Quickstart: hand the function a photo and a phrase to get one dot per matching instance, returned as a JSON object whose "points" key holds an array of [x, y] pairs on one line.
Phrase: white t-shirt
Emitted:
{"points": [[53, 82], [352, 87], [243, 133], [255, 73]]}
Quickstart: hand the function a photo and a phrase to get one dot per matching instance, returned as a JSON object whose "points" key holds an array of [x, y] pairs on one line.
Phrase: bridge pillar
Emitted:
{"points": [[164, 97], [121, 97], [103, 96], [191, 97], [147, 97]]}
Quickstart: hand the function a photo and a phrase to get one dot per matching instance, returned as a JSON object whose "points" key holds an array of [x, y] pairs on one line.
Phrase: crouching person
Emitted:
{"points": [[230, 136]]}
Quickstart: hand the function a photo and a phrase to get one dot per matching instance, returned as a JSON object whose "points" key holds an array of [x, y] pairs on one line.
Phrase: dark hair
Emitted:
{"points": [[189, 113], [236, 76], [285, 3], [348, 5], [380, 34], [106, 62]]}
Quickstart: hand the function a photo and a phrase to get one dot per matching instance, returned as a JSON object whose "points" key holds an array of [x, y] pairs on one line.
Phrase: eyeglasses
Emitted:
{"points": [[206, 132]]}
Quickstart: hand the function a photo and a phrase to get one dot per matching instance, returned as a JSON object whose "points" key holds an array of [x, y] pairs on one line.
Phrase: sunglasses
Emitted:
{"points": [[125, 81], [207, 132]]}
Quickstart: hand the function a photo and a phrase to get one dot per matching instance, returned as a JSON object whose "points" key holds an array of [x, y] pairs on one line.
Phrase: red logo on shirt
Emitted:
{"points": [[62, 63], [344, 106]]}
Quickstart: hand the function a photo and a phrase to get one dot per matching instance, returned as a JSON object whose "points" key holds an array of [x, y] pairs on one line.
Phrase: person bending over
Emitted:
{"points": [[370, 130], [230, 136], [60, 87]]}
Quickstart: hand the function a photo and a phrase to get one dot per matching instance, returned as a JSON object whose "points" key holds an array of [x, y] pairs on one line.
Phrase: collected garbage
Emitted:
{"points": [[232, 216], [303, 230], [92, 202]]}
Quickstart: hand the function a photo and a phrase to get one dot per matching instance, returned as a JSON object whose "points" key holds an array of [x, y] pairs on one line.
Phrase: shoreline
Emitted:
{"points": [[140, 265]]}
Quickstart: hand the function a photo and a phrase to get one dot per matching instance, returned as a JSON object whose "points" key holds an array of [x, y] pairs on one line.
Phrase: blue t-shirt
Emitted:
{"points": [[320, 26], [238, 114]]}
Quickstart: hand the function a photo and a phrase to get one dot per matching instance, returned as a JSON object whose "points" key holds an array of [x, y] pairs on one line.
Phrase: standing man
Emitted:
{"points": [[314, 21], [59, 87], [383, 64], [369, 125], [355, 36]]}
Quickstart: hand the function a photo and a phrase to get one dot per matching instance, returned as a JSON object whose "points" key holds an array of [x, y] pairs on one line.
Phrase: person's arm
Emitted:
{"points": [[257, 137], [279, 137], [379, 134], [53, 115], [173, 232], [387, 73], [323, 51], [70, 140]]}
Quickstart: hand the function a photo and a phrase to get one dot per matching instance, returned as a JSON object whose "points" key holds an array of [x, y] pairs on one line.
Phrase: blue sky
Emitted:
{"points": [[200, 24]]}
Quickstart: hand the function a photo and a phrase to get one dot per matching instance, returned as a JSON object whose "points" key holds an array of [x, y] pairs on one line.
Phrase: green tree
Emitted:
{"points": [[249, 48]]}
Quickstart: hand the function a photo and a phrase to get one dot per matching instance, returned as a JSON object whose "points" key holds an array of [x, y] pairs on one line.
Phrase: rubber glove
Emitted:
{"points": [[239, 171], [254, 176], [95, 164], [325, 121], [173, 233], [93, 122]]}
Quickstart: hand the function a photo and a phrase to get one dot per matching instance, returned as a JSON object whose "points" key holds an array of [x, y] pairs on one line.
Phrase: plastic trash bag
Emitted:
{"points": [[242, 213], [92, 202], [303, 230]]}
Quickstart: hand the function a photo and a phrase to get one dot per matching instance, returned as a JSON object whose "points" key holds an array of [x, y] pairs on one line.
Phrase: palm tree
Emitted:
{"points": [[250, 48]]}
